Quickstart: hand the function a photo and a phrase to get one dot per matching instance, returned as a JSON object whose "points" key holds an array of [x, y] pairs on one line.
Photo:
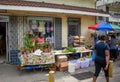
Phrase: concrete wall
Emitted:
{"points": [[81, 3], [85, 22], [64, 31]]}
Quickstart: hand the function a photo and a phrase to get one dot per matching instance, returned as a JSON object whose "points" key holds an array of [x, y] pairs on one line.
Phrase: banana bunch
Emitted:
{"points": [[82, 59], [65, 51], [88, 56]]}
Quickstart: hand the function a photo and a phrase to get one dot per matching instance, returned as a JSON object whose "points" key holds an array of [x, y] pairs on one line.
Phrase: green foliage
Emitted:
{"points": [[28, 43], [46, 44], [47, 66], [39, 46], [71, 49]]}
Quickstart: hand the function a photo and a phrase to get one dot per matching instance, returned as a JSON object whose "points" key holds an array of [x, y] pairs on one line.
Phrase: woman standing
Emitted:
{"points": [[102, 58], [40, 38]]}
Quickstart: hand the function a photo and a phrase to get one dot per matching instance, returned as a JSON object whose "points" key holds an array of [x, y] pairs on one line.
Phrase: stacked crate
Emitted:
{"points": [[76, 42], [61, 62]]}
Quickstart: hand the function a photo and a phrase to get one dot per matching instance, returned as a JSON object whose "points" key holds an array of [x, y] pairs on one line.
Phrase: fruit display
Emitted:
{"points": [[54, 51], [89, 56], [65, 51]]}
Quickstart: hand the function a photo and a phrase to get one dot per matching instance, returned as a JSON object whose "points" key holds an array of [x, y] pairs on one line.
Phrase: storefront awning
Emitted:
{"points": [[49, 7]]}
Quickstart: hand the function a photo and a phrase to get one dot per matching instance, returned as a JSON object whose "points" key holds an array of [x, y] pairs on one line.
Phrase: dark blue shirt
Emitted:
{"points": [[100, 49], [95, 40]]}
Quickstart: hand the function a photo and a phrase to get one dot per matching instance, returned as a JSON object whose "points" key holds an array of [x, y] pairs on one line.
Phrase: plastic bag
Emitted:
{"points": [[111, 69], [93, 55]]}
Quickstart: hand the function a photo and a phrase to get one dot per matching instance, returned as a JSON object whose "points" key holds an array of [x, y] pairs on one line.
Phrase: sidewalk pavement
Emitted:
{"points": [[10, 73]]}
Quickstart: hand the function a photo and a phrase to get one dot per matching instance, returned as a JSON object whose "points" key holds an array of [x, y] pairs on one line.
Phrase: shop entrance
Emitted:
{"points": [[2, 41]]}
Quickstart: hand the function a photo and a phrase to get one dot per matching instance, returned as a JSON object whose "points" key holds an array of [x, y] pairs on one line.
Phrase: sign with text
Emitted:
{"points": [[4, 18]]}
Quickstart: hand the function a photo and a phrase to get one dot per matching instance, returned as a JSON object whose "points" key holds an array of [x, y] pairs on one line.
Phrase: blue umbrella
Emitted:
{"points": [[104, 26]]}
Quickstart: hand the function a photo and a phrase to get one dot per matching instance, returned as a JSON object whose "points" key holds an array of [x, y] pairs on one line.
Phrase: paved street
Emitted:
{"points": [[10, 73]]}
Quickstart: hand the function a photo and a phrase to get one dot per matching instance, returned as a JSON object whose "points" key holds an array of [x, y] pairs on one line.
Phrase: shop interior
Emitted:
{"points": [[2, 41]]}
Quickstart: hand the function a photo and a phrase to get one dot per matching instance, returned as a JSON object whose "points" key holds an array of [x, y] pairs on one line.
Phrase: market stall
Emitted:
{"points": [[35, 60], [37, 54]]}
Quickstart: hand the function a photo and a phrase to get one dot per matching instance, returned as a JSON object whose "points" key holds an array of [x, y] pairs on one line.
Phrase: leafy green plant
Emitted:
{"points": [[28, 43], [71, 49], [46, 44], [47, 66], [39, 46]]}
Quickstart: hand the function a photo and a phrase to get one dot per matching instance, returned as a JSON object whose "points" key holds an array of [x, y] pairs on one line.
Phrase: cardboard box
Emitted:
{"points": [[63, 68], [64, 64], [61, 64], [61, 58], [57, 64]]}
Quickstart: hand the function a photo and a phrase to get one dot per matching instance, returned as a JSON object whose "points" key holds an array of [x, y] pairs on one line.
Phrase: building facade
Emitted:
{"points": [[57, 19], [112, 7]]}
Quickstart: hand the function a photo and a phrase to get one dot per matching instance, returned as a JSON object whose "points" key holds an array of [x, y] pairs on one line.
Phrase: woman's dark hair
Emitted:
{"points": [[40, 35], [99, 37], [102, 37], [112, 36]]}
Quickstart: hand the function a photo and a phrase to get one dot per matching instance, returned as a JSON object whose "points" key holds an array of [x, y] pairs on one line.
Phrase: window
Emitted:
{"points": [[44, 25], [73, 26]]}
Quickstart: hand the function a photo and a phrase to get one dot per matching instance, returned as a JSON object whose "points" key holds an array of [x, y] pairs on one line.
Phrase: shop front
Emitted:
{"points": [[50, 27], [56, 23]]}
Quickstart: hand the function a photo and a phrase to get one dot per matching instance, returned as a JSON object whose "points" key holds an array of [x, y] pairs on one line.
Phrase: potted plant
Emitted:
{"points": [[29, 42]]}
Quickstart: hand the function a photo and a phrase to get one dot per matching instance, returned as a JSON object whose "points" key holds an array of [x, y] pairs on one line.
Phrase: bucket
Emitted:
{"points": [[71, 67]]}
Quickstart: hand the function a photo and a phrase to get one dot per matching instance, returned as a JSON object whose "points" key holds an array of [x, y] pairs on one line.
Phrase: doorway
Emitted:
{"points": [[2, 41]]}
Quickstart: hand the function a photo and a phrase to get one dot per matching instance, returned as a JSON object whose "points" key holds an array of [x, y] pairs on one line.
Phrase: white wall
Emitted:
{"points": [[81, 3]]}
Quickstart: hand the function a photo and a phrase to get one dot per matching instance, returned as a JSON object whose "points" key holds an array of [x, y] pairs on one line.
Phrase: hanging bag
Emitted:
{"points": [[93, 55], [110, 68]]}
